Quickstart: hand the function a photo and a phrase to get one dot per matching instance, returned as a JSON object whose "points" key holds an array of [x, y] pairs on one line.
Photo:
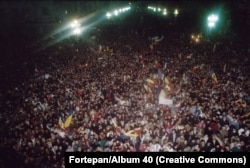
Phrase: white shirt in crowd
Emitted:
{"points": [[155, 148]]}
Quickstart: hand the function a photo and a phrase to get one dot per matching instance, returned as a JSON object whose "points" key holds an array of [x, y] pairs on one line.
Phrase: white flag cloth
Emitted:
{"points": [[121, 102], [157, 39], [58, 131], [164, 100]]}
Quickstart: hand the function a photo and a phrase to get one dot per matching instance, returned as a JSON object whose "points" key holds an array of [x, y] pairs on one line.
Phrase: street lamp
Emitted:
{"points": [[176, 12], [212, 20], [75, 24], [77, 31], [76, 27]]}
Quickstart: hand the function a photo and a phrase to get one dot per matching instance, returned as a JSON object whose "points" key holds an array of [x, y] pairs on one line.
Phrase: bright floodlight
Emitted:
{"points": [[176, 12], [116, 12], [108, 15], [154, 9], [159, 9], [211, 24], [212, 18], [77, 31], [75, 24]]}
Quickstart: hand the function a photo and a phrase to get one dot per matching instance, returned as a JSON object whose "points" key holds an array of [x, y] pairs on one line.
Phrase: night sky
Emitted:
{"points": [[192, 18]]}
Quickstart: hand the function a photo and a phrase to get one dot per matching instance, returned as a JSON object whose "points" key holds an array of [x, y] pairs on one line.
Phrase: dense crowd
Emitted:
{"points": [[100, 84]]}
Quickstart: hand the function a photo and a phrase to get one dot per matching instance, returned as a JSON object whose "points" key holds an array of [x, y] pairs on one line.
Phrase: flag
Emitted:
{"points": [[68, 121], [121, 102], [147, 88], [166, 81], [134, 133], [150, 81], [60, 123], [224, 68], [214, 78], [160, 74], [166, 84], [196, 67], [189, 56], [117, 128], [184, 77], [165, 64], [178, 105], [164, 100], [180, 55], [156, 39], [151, 46], [114, 122], [131, 133], [246, 115], [193, 69], [241, 102]]}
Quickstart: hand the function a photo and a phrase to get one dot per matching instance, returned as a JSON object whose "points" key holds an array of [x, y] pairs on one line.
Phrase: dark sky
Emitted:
{"points": [[237, 11]]}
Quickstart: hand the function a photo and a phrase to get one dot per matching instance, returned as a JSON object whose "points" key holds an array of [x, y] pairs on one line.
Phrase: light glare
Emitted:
{"points": [[212, 18], [116, 12], [77, 31], [176, 12], [75, 24], [108, 15], [211, 24]]}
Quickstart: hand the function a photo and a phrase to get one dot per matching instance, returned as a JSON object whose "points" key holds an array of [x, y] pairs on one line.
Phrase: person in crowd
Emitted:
{"points": [[80, 100]]}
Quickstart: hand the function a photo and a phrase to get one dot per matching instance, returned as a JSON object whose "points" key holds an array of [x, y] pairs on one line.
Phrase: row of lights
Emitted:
{"points": [[196, 38], [116, 12], [76, 26], [212, 19], [164, 10]]}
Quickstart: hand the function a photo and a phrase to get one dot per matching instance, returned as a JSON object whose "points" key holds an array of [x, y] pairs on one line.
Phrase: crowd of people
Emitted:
{"points": [[91, 97]]}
